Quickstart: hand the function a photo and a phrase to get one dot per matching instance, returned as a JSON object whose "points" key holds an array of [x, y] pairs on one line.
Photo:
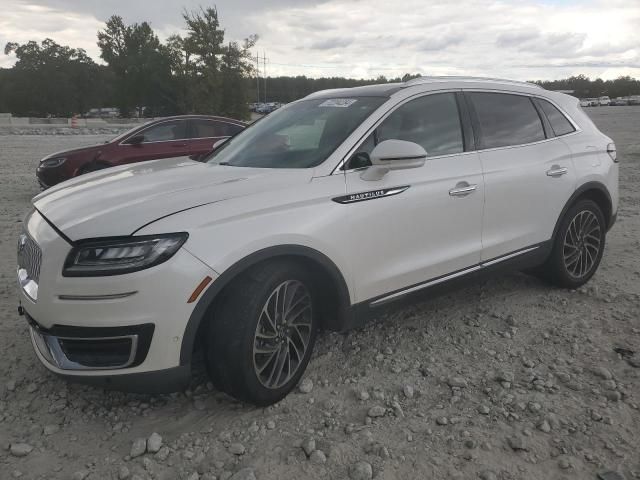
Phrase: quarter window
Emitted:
{"points": [[506, 119], [559, 123]]}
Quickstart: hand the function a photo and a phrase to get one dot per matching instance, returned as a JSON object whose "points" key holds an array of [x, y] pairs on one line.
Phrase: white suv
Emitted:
{"points": [[317, 216]]}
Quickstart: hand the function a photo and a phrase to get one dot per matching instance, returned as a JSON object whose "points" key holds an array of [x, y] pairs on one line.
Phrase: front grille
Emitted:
{"points": [[29, 256]]}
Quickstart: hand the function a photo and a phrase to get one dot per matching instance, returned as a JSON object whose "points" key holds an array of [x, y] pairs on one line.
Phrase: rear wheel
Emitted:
{"points": [[262, 333], [578, 246]]}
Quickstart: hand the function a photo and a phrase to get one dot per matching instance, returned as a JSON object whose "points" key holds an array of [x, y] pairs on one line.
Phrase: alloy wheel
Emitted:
{"points": [[282, 334], [582, 244]]}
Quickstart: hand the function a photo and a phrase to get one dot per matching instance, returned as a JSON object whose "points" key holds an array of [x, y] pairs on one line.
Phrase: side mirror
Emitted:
{"points": [[136, 140], [218, 143], [394, 155]]}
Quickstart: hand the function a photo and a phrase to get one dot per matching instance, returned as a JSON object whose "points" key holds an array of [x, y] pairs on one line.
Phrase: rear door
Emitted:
{"points": [[415, 226], [161, 140], [528, 172], [205, 133]]}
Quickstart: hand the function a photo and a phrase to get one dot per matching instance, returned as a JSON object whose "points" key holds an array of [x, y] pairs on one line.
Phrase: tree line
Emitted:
{"points": [[199, 72]]}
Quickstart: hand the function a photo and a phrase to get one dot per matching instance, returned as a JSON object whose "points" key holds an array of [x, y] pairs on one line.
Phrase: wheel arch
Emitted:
{"points": [[595, 191], [334, 302]]}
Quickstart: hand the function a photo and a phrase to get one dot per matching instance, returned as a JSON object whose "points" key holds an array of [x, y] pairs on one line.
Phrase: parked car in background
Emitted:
{"points": [[105, 112], [585, 102], [634, 100], [186, 135], [319, 216], [619, 101], [604, 101], [266, 108]]}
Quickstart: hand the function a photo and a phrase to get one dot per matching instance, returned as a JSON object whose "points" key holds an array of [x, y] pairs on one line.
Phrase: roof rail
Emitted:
{"points": [[427, 79]]}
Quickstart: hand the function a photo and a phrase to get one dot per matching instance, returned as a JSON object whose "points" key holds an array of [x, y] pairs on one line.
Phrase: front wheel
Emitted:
{"points": [[578, 246], [262, 333]]}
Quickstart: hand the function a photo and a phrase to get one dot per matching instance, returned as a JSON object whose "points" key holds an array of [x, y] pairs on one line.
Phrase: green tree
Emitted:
{"points": [[141, 65], [214, 70], [52, 79]]}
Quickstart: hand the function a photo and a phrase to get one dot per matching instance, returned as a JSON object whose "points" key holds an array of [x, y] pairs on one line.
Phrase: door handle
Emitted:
{"points": [[462, 189], [557, 171]]}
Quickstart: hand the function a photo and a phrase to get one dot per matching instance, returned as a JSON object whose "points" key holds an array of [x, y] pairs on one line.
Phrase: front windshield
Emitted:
{"points": [[300, 135]]}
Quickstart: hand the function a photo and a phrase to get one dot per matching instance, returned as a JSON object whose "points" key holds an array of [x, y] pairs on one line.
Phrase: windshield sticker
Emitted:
{"points": [[338, 102]]}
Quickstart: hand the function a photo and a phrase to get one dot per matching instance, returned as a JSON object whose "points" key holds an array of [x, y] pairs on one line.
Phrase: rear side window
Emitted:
{"points": [[166, 132], [431, 121], [506, 119], [211, 128], [559, 123]]}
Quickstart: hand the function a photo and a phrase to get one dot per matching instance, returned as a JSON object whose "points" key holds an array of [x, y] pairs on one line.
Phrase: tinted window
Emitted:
{"points": [[166, 131], [232, 129], [506, 119], [431, 121], [211, 128], [559, 123]]}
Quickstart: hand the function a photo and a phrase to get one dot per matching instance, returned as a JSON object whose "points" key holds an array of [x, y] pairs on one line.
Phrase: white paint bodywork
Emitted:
{"points": [[379, 246]]}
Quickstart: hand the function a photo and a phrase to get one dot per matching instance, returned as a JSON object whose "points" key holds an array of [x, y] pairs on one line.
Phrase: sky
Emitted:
{"points": [[518, 39]]}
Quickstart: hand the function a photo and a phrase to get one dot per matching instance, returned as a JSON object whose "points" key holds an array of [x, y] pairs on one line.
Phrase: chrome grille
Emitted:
{"points": [[29, 256]]}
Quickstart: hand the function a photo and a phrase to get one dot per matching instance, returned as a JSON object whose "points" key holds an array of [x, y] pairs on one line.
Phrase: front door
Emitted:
{"points": [[163, 140], [418, 225]]}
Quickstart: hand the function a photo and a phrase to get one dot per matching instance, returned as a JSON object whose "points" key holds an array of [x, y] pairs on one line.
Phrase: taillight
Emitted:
{"points": [[611, 150]]}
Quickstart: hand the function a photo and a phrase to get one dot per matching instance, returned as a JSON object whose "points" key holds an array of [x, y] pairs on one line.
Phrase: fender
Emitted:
{"points": [[600, 187], [207, 299]]}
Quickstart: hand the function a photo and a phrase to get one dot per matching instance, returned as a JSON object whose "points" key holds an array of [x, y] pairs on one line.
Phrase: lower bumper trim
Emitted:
{"points": [[160, 381]]}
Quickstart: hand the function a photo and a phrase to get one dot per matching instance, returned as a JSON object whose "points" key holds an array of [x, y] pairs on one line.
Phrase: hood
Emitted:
{"points": [[118, 201], [63, 153]]}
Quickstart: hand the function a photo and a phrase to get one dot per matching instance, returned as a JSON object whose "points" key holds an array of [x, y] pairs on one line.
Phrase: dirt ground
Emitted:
{"points": [[506, 379]]}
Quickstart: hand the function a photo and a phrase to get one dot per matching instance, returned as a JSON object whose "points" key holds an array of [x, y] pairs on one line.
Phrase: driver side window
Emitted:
{"points": [[431, 121]]}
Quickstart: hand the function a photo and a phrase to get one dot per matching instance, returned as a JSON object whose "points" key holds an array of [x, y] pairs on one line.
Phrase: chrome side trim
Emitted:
{"points": [[370, 195], [393, 296], [112, 296], [402, 293], [507, 257], [143, 129]]}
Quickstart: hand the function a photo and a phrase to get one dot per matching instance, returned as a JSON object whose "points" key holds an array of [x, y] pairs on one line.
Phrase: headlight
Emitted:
{"points": [[52, 162], [115, 256]]}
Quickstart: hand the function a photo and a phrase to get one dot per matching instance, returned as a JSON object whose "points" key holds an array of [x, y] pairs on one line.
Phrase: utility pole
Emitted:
{"points": [[265, 75], [258, 76]]}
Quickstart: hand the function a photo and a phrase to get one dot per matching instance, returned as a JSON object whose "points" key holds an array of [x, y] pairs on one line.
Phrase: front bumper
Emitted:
{"points": [[112, 331], [91, 348], [50, 352], [48, 177]]}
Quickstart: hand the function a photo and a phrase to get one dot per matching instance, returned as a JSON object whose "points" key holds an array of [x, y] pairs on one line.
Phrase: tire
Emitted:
{"points": [[257, 357], [578, 246]]}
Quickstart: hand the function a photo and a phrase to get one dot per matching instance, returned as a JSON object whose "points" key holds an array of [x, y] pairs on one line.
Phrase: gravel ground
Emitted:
{"points": [[507, 379]]}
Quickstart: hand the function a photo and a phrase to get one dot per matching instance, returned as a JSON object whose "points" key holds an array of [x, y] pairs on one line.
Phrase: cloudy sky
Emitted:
{"points": [[520, 39]]}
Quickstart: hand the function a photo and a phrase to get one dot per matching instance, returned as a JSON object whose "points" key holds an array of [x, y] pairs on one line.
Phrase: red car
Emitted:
{"points": [[186, 135]]}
